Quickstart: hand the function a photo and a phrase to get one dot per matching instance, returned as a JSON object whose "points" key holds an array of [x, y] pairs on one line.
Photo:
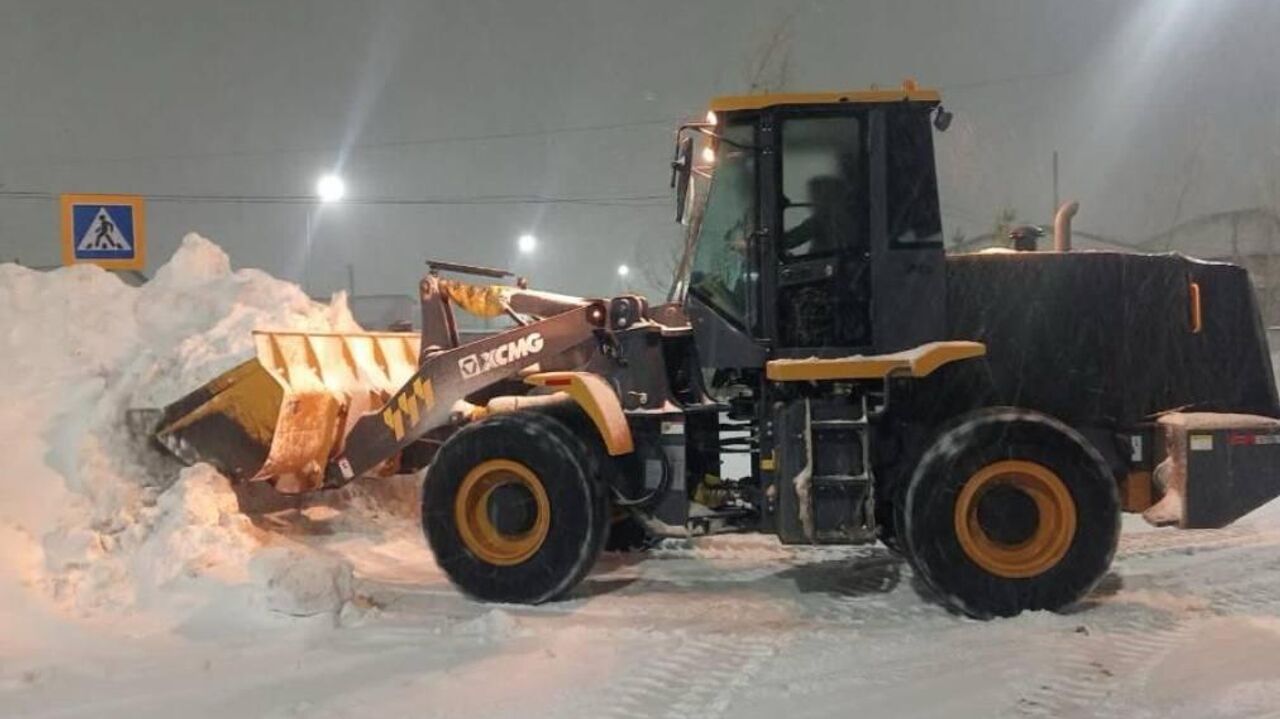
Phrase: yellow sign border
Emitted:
{"points": [[69, 200]]}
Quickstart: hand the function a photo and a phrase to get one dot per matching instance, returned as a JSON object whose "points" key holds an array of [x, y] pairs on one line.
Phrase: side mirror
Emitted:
{"points": [[942, 119], [681, 169]]}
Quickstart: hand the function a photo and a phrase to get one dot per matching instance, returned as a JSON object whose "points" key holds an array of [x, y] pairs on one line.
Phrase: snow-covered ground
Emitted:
{"points": [[128, 591], [1187, 626]]}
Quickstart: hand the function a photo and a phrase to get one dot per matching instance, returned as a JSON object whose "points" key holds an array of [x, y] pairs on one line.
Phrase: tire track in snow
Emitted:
{"points": [[876, 591], [698, 678], [738, 561], [1238, 575], [1132, 631], [1098, 663], [837, 585], [1256, 589], [1144, 544]]}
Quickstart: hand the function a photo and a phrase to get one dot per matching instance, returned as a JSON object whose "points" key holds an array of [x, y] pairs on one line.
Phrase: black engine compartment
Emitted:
{"points": [[1108, 337]]}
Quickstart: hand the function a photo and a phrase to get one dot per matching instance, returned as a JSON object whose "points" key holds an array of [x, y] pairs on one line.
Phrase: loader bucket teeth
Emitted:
{"points": [[285, 412]]}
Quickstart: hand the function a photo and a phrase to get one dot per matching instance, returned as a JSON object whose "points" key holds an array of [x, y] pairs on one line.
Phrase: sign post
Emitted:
{"points": [[105, 230]]}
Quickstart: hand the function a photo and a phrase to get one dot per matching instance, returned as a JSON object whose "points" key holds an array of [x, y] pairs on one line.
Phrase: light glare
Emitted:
{"points": [[331, 188], [526, 243], [623, 270]]}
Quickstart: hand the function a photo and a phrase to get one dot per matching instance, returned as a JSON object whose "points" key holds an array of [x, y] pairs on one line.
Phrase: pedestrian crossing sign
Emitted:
{"points": [[105, 230]]}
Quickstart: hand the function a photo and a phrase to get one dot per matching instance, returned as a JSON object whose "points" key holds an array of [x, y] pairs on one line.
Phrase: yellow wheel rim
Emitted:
{"points": [[1055, 525], [471, 511]]}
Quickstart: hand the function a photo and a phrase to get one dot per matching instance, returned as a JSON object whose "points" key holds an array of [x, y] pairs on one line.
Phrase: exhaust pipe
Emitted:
{"points": [[1062, 226]]}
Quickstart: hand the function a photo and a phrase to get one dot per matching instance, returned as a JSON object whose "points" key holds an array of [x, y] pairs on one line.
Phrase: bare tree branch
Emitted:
{"points": [[769, 66]]}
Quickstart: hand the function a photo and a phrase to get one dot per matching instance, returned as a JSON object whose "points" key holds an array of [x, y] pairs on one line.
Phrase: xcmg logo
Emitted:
{"points": [[500, 356]]}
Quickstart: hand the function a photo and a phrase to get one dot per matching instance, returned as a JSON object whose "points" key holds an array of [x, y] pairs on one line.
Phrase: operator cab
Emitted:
{"points": [[814, 227]]}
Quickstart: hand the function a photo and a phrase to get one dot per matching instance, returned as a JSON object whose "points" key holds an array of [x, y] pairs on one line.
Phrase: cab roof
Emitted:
{"points": [[908, 92]]}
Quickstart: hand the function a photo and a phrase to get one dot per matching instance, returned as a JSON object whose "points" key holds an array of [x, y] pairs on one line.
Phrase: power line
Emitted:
{"points": [[376, 145], [458, 139], [599, 201]]}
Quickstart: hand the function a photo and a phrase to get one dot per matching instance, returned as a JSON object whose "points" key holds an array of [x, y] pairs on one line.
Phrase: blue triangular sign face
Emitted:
{"points": [[106, 230], [103, 235]]}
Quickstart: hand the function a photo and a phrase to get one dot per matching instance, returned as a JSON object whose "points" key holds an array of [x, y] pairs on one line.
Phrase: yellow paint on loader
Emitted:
{"points": [[417, 398], [480, 300], [920, 361], [301, 394], [247, 395]]}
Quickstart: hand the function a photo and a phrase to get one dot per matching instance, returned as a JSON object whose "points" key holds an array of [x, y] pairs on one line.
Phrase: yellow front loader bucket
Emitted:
{"points": [[285, 412]]}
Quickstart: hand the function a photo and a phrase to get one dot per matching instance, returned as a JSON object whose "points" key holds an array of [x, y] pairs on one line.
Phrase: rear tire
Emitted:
{"points": [[1009, 510], [514, 509]]}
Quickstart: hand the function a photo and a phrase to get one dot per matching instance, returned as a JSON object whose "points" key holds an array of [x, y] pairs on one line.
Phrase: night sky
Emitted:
{"points": [[470, 123]]}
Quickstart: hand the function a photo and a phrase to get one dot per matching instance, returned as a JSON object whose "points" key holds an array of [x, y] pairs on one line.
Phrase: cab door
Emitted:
{"points": [[908, 270], [822, 246]]}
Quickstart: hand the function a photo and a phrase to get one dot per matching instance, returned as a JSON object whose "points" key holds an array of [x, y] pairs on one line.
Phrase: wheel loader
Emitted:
{"points": [[988, 416]]}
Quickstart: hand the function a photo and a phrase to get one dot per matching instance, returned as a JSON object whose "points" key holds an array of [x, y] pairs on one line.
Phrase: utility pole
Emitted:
{"points": [[1054, 213]]}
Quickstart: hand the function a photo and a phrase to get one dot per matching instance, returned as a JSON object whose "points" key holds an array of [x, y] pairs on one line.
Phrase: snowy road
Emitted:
{"points": [[1188, 625]]}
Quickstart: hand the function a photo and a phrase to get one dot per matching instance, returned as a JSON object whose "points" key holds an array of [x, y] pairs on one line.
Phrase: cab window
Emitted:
{"points": [[823, 297], [911, 195], [720, 274], [824, 191]]}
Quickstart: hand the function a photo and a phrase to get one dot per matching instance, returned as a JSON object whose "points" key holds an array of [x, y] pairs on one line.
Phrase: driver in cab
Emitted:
{"points": [[831, 219]]}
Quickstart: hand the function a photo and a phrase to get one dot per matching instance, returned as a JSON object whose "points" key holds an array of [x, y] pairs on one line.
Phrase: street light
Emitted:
{"points": [[526, 243], [330, 188]]}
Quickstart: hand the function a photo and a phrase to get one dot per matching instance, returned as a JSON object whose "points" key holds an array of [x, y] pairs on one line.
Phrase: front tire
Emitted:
{"points": [[514, 509], [1011, 510]]}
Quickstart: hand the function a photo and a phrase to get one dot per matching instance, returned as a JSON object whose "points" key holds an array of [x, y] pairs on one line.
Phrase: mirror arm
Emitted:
{"points": [[704, 128]]}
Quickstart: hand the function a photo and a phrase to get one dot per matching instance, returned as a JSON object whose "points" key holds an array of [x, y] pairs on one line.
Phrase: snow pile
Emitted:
{"points": [[86, 518], [301, 583]]}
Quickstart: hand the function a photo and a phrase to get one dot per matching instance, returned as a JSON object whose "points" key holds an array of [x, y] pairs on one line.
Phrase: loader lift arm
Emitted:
{"points": [[315, 410], [427, 400]]}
